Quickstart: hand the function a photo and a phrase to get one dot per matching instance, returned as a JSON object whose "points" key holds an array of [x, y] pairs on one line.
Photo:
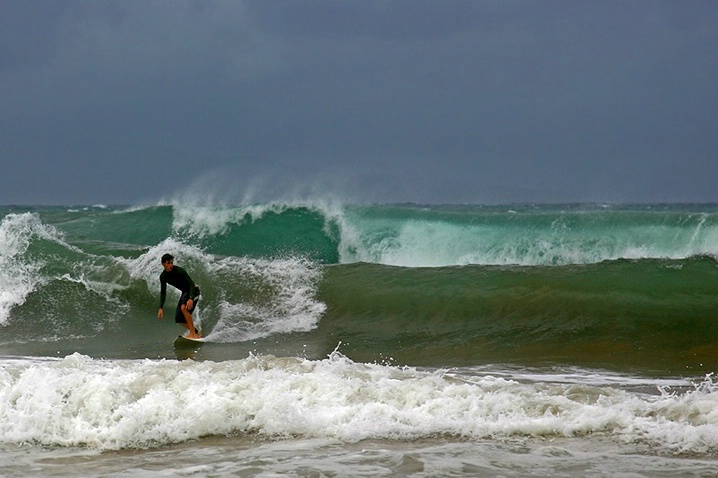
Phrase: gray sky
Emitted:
{"points": [[132, 101]]}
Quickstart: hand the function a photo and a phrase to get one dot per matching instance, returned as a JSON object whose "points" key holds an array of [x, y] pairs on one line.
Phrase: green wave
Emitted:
{"points": [[652, 313], [294, 274]]}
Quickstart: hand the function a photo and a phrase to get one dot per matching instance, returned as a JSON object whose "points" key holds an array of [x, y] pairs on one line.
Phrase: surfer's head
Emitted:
{"points": [[168, 262]]}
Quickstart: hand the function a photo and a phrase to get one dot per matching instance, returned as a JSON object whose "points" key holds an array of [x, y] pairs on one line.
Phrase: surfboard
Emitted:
{"points": [[185, 342]]}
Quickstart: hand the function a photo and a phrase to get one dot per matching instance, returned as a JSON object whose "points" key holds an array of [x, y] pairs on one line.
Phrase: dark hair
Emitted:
{"points": [[167, 258]]}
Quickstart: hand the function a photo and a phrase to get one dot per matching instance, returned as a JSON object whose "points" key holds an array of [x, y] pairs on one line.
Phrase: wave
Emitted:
{"points": [[93, 274], [22, 237], [109, 405], [56, 284], [650, 314], [436, 236], [401, 235], [318, 315]]}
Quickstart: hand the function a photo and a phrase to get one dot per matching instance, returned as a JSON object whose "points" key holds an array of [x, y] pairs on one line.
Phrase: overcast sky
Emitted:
{"points": [[130, 102]]}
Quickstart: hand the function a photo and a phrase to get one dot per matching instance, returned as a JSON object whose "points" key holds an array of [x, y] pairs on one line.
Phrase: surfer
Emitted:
{"points": [[180, 279]]}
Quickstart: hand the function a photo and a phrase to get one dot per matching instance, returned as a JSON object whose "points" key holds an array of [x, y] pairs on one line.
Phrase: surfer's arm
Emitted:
{"points": [[163, 297]]}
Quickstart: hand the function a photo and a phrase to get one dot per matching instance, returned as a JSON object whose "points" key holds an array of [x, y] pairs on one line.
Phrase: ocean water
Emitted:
{"points": [[361, 340]]}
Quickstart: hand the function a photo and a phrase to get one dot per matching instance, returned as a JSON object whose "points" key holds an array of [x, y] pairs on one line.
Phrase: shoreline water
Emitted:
{"points": [[230, 456]]}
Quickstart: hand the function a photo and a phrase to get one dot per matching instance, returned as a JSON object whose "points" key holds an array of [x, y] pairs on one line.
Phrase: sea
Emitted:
{"points": [[361, 340]]}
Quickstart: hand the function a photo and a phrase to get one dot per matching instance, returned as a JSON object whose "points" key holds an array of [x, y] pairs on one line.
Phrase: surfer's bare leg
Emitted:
{"points": [[190, 324]]}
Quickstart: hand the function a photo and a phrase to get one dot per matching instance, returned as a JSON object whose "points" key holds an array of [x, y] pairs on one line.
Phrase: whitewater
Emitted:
{"points": [[361, 340]]}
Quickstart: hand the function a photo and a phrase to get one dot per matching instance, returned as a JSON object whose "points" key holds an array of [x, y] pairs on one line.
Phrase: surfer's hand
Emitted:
{"points": [[190, 304], [160, 314]]}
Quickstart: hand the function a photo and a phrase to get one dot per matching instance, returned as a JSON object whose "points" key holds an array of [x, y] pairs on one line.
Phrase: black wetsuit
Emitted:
{"points": [[180, 279]]}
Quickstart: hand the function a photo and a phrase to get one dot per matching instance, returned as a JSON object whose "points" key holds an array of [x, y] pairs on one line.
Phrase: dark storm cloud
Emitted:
{"points": [[421, 101]]}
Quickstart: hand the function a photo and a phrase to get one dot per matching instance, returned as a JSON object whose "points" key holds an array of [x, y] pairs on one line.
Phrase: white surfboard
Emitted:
{"points": [[184, 342]]}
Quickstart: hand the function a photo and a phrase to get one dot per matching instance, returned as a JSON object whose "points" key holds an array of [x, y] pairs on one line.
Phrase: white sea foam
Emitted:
{"points": [[119, 404], [292, 308]]}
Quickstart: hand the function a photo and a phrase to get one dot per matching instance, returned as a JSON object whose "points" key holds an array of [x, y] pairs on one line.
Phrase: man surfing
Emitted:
{"points": [[180, 279]]}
